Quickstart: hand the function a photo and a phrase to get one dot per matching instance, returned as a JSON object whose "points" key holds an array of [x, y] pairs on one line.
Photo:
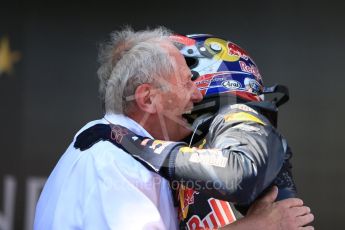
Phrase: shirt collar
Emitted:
{"points": [[127, 122]]}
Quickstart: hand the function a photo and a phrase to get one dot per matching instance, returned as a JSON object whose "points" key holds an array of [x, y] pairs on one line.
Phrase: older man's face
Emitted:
{"points": [[176, 99]]}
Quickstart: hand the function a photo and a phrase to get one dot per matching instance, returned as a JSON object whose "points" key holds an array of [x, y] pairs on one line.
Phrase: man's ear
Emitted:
{"points": [[144, 97]]}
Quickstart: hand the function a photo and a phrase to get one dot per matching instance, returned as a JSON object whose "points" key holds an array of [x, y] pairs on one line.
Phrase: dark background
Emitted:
{"points": [[53, 90]]}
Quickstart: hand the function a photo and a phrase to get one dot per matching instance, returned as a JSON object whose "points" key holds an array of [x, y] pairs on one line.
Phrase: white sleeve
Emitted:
{"points": [[119, 198]]}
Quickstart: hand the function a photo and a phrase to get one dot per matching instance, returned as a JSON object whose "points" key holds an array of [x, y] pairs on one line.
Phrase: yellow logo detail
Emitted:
{"points": [[184, 208], [224, 52], [7, 57], [158, 146], [242, 116], [202, 144], [156, 143], [186, 150]]}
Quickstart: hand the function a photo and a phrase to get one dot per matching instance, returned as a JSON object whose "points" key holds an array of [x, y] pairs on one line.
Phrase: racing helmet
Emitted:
{"points": [[225, 73], [220, 67]]}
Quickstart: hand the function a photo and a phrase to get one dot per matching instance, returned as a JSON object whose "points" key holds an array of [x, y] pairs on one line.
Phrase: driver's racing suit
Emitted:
{"points": [[243, 130]]}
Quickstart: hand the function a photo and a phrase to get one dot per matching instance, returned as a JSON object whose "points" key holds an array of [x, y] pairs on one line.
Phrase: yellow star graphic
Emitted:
{"points": [[7, 57]]}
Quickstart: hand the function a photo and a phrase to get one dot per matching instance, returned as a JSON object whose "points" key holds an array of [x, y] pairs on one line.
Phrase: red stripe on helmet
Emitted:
{"points": [[182, 39]]}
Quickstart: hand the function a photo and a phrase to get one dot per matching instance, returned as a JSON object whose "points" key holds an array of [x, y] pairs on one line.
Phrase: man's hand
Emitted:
{"points": [[288, 214]]}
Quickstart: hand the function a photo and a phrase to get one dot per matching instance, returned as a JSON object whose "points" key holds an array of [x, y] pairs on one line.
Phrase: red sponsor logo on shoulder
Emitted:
{"points": [[189, 196]]}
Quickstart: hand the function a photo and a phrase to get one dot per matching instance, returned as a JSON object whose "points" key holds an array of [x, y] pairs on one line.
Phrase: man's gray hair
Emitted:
{"points": [[129, 59]]}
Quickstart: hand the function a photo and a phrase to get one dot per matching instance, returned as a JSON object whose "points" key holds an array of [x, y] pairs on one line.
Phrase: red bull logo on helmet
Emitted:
{"points": [[250, 69], [235, 50]]}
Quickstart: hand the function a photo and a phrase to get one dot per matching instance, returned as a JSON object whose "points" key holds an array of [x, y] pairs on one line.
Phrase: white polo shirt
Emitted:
{"points": [[104, 188]]}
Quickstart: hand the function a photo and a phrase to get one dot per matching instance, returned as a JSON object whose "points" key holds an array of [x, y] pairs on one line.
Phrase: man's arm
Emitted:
{"points": [[245, 158], [256, 135], [238, 173]]}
